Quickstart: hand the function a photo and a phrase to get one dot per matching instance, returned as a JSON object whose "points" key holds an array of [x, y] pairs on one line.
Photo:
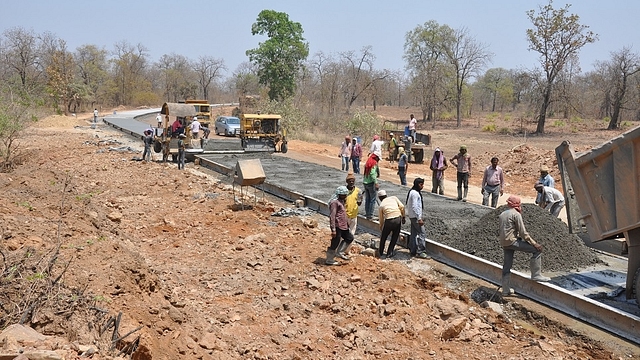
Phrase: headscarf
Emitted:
{"points": [[437, 162], [400, 150], [514, 203], [416, 187], [371, 162], [340, 190]]}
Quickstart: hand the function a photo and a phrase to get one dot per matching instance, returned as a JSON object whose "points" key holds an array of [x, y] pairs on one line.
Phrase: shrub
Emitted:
{"points": [[558, 123], [489, 128]]}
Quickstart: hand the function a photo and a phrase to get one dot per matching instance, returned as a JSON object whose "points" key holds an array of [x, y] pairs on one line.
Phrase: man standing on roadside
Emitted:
{"points": [[391, 218], [438, 166], [492, 183], [338, 224], [370, 181], [147, 139], [417, 239], [351, 204], [376, 147], [181, 147], [514, 237], [462, 161], [95, 116], [356, 154], [345, 153], [403, 166]]}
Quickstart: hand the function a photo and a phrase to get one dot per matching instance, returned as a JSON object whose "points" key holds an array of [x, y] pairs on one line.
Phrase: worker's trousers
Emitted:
{"points": [[492, 191], [518, 245], [369, 199], [417, 243]]}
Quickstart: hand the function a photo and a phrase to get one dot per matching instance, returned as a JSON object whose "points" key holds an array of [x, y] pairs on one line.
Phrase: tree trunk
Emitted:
{"points": [[614, 123], [458, 101], [542, 117]]}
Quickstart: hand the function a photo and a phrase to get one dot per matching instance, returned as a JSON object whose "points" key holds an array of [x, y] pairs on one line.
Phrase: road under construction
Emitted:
{"points": [[591, 292]]}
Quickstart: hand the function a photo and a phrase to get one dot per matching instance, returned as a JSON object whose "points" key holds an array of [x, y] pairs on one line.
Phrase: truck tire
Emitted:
{"points": [[284, 148], [418, 156], [157, 146]]}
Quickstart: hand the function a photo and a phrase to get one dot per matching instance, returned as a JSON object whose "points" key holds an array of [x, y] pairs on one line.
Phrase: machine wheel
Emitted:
{"points": [[157, 146], [419, 156], [636, 286], [284, 148]]}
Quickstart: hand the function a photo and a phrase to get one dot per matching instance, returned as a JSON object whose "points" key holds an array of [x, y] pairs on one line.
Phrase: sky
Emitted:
{"points": [[222, 29]]}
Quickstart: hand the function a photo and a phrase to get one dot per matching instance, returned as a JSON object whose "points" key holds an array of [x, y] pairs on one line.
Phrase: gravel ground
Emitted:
{"points": [[468, 227]]}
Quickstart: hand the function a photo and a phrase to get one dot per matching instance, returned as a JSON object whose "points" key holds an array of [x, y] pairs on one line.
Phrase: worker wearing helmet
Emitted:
{"points": [[338, 223]]}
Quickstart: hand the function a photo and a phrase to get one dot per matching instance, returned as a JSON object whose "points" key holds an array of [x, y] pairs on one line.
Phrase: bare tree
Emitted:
{"points": [[622, 65], [129, 65], [245, 79], [468, 57], [556, 36], [359, 74], [20, 53], [91, 62], [208, 70]]}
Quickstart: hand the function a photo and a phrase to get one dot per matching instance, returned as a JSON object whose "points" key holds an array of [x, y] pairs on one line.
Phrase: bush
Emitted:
{"points": [[489, 128], [558, 123], [365, 124]]}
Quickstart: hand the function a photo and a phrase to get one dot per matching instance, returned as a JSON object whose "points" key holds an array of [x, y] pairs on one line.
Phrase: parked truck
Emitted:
{"points": [[415, 148], [602, 192]]}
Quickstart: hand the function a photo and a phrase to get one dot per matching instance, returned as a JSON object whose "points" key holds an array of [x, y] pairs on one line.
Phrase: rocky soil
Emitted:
{"points": [[96, 246]]}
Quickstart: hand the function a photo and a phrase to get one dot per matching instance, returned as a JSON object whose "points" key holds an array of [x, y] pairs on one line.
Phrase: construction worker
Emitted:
{"points": [[462, 161], [338, 224], [514, 237], [391, 218], [147, 139], [181, 147], [352, 202], [393, 148]]}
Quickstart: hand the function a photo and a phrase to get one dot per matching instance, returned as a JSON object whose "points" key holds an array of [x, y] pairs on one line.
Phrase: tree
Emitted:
{"points": [[622, 65], [176, 77], [208, 69], [556, 36], [20, 53], [497, 83], [245, 80], [359, 74], [427, 63], [130, 64], [92, 70], [280, 57], [467, 56], [61, 74]]}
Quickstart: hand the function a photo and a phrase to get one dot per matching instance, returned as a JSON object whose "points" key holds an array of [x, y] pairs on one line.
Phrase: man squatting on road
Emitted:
{"points": [[391, 218], [514, 237], [338, 224]]}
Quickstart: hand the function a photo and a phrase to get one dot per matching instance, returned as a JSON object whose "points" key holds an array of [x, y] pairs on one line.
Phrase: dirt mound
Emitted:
{"points": [[562, 251]]}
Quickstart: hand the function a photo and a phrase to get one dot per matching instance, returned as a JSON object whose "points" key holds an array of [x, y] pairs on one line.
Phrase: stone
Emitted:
{"points": [[115, 216], [493, 306], [454, 328], [176, 315]]}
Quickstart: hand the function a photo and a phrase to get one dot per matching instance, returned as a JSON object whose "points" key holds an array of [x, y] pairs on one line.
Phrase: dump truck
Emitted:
{"points": [[602, 193], [259, 132], [167, 142]]}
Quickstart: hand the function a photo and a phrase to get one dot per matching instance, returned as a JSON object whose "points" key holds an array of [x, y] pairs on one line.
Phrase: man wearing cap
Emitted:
{"points": [[345, 153], [438, 165], [391, 218], [393, 148], [462, 161], [147, 139], [546, 180], [356, 154], [514, 237], [492, 183], [417, 238], [181, 148], [338, 224], [351, 204], [551, 199], [195, 128]]}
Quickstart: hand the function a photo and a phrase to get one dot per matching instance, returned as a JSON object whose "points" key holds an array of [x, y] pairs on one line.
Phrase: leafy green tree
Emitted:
{"points": [[92, 69], [424, 53], [17, 111], [281, 56], [557, 36]]}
